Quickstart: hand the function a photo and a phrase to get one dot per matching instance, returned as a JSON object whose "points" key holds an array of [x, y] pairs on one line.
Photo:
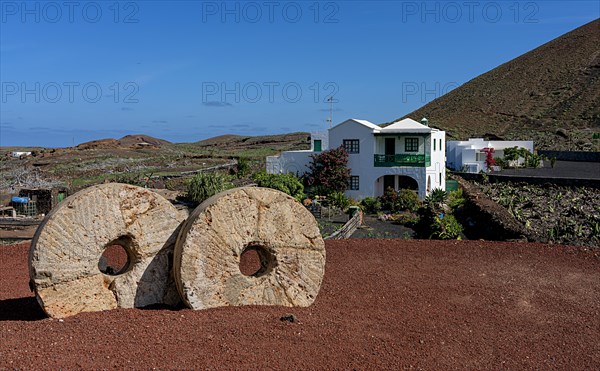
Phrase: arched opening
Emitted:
{"points": [[406, 182]]}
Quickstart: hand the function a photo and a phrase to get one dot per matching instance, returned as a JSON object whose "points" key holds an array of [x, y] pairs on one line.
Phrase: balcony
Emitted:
{"points": [[411, 160]]}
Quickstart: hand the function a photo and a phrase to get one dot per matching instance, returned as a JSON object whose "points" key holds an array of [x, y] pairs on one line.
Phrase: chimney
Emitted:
{"points": [[424, 121]]}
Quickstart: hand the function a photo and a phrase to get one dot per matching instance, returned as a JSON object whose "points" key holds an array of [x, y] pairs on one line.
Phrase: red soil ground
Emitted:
{"points": [[383, 304]]}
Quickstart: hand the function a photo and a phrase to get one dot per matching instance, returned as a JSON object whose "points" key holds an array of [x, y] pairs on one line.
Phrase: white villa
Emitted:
{"points": [[469, 155], [405, 154]]}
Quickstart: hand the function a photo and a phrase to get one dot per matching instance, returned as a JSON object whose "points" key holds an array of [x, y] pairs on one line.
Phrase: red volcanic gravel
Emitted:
{"points": [[383, 304], [116, 257]]}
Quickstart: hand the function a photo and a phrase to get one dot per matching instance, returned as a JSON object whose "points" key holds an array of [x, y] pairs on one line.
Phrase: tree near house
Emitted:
{"points": [[329, 171]]}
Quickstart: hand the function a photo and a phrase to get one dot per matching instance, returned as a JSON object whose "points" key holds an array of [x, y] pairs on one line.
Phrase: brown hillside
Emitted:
{"points": [[98, 144], [281, 141], [142, 140], [128, 141], [550, 94]]}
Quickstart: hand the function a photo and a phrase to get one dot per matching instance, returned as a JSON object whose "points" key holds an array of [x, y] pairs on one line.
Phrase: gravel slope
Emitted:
{"points": [[383, 304]]}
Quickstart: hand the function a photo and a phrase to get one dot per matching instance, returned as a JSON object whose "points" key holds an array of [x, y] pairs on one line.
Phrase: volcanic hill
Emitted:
{"points": [[550, 95]]}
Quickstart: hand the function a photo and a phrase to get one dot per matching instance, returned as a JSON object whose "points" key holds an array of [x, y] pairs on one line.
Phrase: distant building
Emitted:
{"points": [[406, 154], [19, 154], [469, 155]]}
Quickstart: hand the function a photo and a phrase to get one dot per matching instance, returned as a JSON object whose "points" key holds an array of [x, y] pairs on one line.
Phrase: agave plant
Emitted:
{"points": [[436, 199]]}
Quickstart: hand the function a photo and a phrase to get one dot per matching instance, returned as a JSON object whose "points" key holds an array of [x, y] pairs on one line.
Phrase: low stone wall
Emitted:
{"points": [[485, 219], [565, 182], [572, 155], [348, 229]]}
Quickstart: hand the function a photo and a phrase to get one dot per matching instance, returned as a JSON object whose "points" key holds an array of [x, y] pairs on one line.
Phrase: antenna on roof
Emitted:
{"points": [[330, 119]]}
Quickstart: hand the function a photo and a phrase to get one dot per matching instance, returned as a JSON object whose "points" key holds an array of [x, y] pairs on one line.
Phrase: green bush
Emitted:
{"points": [[501, 162], [403, 200], [203, 185], [339, 199], [456, 199], [445, 227], [243, 167], [533, 160], [371, 205], [286, 183], [407, 200]]}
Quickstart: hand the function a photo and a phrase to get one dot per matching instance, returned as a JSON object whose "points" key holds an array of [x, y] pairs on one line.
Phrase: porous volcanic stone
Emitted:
{"points": [[66, 250], [282, 231]]}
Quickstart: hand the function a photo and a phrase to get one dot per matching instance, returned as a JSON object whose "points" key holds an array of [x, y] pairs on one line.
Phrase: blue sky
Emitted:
{"points": [[189, 70]]}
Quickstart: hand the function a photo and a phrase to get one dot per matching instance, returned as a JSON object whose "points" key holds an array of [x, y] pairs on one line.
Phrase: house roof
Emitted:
{"points": [[364, 123], [406, 125], [367, 124], [403, 126]]}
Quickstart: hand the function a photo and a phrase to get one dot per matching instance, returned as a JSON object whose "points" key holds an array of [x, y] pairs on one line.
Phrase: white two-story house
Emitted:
{"points": [[406, 154]]}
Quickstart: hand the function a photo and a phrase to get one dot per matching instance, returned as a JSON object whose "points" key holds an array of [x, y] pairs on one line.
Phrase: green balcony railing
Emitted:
{"points": [[413, 160]]}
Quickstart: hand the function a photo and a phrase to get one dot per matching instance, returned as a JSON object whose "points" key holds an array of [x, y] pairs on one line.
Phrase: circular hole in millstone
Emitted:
{"points": [[116, 258], [256, 261]]}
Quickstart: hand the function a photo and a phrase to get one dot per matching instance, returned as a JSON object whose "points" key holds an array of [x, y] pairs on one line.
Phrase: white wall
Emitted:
{"points": [[295, 162], [437, 170], [323, 136], [361, 163]]}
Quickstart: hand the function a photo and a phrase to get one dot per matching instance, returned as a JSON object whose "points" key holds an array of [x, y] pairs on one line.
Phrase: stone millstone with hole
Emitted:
{"points": [[284, 234], [65, 259]]}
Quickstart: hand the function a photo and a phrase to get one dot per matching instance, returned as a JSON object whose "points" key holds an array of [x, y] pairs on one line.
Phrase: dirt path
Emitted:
{"points": [[384, 304]]}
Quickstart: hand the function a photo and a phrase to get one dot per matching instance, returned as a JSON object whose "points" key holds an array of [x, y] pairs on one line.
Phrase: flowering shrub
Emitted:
{"points": [[384, 217], [489, 158], [389, 199]]}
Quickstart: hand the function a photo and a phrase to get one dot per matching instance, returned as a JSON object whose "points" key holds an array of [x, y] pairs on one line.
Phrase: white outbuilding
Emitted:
{"points": [[470, 155]]}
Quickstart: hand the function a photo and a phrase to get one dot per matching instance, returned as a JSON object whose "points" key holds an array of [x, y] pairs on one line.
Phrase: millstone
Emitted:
{"points": [[283, 233], [66, 253]]}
